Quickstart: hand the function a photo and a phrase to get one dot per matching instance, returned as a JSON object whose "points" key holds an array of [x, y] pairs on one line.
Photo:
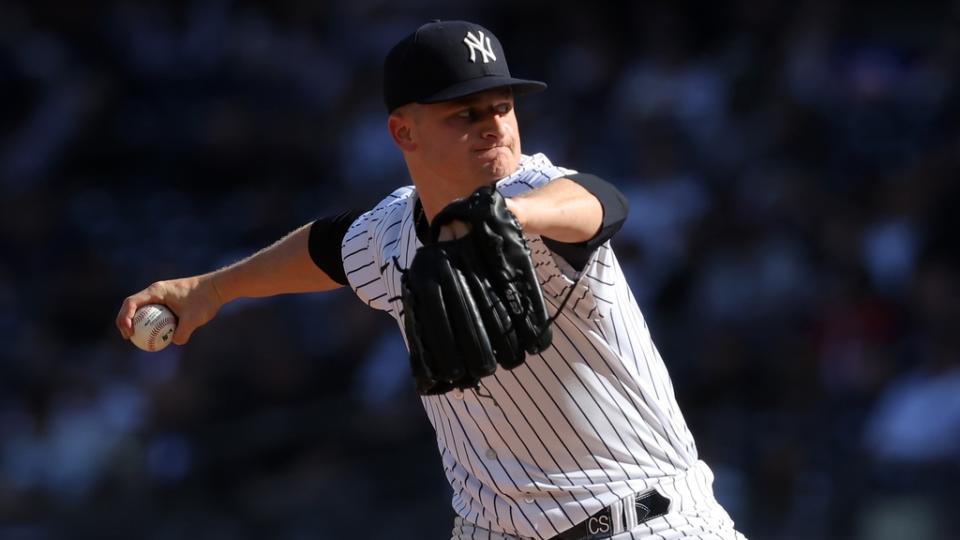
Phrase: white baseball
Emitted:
{"points": [[153, 326]]}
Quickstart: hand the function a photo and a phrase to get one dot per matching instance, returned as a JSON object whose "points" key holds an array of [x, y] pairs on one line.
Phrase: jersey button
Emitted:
{"points": [[491, 453], [457, 393]]}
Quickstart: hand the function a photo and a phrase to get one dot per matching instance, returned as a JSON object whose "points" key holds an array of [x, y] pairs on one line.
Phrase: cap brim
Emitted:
{"points": [[472, 86]]}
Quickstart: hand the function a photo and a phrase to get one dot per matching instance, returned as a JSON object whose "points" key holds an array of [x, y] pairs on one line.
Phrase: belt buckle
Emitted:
{"points": [[649, 505]]}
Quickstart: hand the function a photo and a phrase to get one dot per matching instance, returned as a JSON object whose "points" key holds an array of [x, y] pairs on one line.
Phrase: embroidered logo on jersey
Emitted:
{"points": [[482, 44]]}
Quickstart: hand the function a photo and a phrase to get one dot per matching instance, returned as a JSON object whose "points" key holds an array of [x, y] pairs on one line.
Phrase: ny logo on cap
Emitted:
{"points": [[481, 44]]}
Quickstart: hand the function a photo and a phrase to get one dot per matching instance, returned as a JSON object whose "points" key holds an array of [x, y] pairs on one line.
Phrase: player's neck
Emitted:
{"points": [[437, 190], [436, 194]]}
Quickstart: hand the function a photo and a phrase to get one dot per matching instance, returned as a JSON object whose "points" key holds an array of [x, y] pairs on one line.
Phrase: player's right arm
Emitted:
{"points": [[306, 260]]}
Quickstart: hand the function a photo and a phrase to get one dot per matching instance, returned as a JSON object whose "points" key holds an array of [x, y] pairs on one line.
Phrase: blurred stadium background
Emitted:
{"points": [[793, 174]]}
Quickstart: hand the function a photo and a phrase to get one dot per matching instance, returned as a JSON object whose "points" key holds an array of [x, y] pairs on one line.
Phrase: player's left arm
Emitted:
{"points": [[574, 214]]}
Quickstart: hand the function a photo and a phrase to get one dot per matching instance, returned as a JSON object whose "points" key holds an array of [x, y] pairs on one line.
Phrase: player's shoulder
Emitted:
{"points": [[396, 200], [394, 204], [533, 171]]}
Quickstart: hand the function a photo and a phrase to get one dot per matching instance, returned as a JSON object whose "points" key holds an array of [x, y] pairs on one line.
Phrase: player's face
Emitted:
{"points": [[473, 140]]}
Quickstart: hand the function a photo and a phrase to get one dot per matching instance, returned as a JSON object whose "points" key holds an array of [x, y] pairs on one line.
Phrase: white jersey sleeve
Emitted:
{"points": [[364, 259], [535, 171]]}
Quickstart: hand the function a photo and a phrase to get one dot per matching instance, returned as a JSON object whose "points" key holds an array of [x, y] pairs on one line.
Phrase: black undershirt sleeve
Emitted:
{"points": [[326, 235], [615, 210]]}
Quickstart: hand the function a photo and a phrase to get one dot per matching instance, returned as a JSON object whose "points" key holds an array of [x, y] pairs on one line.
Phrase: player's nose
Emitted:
{"points": [[495, 127]]}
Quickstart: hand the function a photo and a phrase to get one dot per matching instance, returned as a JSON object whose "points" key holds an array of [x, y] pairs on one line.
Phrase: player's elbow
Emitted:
{"points": [[619, 206], [614, 204]]}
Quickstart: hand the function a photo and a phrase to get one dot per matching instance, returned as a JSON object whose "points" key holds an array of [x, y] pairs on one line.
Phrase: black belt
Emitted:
{"points": [[600, 525]]}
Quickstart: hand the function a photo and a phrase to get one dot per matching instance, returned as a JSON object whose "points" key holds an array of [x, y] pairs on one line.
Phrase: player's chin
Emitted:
{"points": [[499, 164]]}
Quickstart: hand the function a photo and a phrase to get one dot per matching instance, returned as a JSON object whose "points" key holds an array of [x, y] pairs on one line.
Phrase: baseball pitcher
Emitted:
{"points": [[555, 417]]}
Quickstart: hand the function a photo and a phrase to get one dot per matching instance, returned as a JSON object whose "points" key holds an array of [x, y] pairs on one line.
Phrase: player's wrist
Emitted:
{"points": [[218, 291], [517, 207]]}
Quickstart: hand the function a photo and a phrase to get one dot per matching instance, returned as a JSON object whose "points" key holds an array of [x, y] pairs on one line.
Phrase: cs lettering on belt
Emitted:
{"points": [[599, 525]]}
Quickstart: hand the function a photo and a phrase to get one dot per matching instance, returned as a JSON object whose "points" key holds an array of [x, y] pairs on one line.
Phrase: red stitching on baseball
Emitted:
{"points": [[156, 330]]}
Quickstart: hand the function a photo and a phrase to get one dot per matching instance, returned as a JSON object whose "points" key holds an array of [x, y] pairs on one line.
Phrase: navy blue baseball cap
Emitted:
{"points": [[445, 60]]}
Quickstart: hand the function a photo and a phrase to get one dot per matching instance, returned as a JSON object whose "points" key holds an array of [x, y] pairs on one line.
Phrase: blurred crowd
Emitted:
{"points": [[792, 170]]}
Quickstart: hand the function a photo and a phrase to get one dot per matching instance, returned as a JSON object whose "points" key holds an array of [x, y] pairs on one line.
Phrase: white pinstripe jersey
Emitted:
{"points": [[592, 419]]}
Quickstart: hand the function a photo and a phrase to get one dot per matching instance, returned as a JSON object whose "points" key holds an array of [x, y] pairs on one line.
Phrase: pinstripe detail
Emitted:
{"points": [[654, 360], [546, 448], [587, 423], [352, 253], [512, 479], [533, 460], [577, 433], [600, 281], [465, 441], [602, 299], [603, 412], [362, 285], [664, 437], [629, 394], [354, 237]]}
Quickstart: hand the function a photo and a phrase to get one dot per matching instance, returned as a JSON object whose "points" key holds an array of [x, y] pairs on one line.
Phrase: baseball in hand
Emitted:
{"points": [[153, 326]]}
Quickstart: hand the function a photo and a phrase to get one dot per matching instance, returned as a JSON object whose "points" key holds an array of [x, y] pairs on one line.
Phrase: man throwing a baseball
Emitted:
{"points": [[554, 413]]}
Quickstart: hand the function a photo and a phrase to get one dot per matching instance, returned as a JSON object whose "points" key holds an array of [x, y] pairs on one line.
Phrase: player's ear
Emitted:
{"points": [[400, 125]]}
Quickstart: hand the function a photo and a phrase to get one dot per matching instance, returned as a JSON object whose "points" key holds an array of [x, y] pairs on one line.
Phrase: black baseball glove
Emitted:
{"points": [[474, 302]]}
